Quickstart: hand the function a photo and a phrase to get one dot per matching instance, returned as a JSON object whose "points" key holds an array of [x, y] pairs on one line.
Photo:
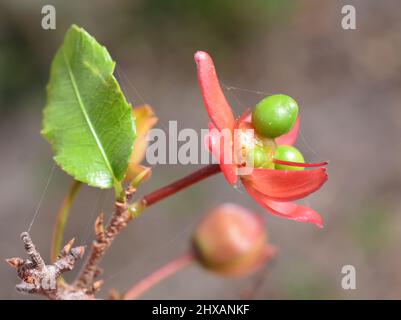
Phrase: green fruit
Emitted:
{"points": [[258, 156], [275, 115], [288, 153]]}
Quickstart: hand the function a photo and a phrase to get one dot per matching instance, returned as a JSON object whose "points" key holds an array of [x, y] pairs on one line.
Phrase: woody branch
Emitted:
{"points": [[39, 278]]}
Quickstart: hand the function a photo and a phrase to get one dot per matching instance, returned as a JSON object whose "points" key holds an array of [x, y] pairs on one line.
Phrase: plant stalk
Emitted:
{"points": [[159, 275], [125, 212], [177, 186], [61, 220]]}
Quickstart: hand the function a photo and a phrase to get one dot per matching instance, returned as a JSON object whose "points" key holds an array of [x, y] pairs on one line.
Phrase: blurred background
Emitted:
{"points": [[347, 83]]}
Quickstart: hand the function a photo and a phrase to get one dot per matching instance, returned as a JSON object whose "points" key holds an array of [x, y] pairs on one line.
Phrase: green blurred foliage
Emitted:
{"points": [[20, 72], [371, 227], [172, 28], [305, 283], [219, 24]]}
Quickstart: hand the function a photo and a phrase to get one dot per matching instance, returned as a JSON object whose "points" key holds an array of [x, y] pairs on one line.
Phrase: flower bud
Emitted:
{"points": [[145, 120], [232, 241]]}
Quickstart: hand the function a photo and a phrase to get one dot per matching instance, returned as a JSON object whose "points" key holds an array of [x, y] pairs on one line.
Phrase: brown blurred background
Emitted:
{"points": [[347, 83]]}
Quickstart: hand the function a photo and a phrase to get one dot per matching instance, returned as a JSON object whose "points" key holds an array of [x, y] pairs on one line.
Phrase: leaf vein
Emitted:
{"points": [[86, 116]]}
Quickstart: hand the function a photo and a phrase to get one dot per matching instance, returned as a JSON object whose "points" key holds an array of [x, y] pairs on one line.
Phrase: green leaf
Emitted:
{"points": [[87, 119]]}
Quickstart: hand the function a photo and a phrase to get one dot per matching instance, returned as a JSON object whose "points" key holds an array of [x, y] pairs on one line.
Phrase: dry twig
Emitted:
{"points": [[39, 278]]}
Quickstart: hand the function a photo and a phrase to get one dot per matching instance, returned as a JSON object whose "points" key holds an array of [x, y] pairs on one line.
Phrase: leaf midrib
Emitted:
{"points": [[86, 116]]}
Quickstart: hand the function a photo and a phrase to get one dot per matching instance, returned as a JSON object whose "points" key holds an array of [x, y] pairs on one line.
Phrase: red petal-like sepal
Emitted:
{"points": [[300, 164], [216, 104], [287, 210], [219, 143], [286, 185]]}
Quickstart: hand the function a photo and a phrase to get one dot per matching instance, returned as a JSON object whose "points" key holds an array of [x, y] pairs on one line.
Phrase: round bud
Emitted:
{"points": [[275, 115], [288, 153], [231, 240]]}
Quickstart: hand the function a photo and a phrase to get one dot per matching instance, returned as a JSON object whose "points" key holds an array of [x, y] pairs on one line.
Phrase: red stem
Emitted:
{"points": [[123, 215], [185, 182], [159, 275]]}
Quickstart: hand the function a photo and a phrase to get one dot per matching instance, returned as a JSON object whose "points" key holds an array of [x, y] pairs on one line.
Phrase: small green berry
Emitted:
{"points": [[258, 156], [275, 115], [288, 153]]}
